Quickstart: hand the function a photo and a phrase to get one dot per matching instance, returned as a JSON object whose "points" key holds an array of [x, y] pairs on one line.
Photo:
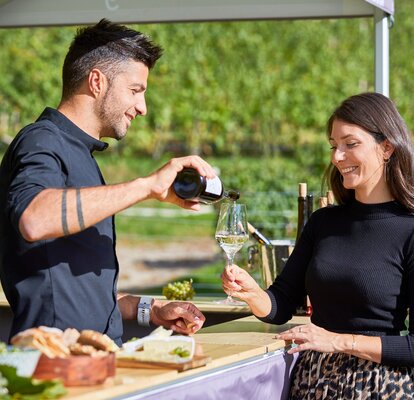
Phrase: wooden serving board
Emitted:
{"points": [[197, 361], [265, 340]]}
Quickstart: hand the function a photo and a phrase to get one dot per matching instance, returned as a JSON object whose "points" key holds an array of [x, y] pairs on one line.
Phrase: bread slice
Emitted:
{"points": [[98, 340]]}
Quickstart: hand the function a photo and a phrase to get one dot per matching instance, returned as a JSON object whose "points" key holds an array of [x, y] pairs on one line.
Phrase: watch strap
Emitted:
{"points": [[144, 311]]}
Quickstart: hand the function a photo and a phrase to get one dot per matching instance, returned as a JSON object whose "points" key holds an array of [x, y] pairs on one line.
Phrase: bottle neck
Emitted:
{"points": [[233, 195], [302, 215], [262, 239]]}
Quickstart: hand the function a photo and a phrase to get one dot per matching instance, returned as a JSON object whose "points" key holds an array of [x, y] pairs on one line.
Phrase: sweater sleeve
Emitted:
{"points": [[288, 290], [399, 350]]}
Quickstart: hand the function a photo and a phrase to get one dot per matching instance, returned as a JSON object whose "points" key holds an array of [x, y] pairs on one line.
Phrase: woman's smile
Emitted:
{"points": [[347, 170]]}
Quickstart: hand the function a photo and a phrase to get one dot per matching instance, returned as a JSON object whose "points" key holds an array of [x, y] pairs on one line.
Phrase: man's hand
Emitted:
{"points": [[160, 181], [181, 317]]}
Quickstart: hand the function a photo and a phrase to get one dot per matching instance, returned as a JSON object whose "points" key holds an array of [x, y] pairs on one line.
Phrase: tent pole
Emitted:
{"points": [[382, 61]]}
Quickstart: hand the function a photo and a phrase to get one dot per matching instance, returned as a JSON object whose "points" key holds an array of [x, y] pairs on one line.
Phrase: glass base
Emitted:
{"points": [[229, 301]]}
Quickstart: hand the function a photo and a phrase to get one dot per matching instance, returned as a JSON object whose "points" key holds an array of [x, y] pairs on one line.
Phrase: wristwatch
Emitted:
{"points": [[144, 311]]}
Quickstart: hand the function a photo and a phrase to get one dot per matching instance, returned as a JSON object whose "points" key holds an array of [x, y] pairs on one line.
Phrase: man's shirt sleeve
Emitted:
{"points": [[37, 164]]}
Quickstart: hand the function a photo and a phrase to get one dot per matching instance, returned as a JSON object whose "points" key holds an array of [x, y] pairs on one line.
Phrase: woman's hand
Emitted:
{"points": [[238, 283], [312, 337]]}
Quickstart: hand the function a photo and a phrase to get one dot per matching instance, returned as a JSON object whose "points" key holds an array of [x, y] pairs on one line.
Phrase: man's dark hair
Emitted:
{"points": [[106, 46]]}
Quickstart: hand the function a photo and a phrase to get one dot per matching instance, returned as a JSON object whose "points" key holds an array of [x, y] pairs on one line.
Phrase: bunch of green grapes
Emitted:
{"points": [[179, 290]]}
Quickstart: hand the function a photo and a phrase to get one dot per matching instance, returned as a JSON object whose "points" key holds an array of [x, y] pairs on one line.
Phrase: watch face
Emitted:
{"points": [[146, 300]]}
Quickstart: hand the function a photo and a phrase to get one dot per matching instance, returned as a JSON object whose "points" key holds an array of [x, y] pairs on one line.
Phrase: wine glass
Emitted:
{"points": [[231, 234]]}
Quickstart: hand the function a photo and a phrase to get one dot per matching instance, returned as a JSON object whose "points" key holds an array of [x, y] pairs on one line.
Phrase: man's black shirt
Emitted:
{"points": [[64, 282]]}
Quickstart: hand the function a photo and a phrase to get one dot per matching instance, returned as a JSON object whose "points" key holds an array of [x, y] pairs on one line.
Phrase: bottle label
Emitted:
{"points": [[214, 186]]}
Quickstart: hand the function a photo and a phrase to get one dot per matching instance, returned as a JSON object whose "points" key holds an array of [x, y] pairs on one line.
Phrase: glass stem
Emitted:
{"points": [[229, 263]]}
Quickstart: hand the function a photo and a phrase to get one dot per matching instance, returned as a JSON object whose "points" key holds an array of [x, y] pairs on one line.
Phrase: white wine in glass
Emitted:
{"points": [[231, 234]]}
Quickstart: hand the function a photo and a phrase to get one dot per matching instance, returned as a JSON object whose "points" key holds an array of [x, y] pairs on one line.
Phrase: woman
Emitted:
{"points": [[355, 261]]}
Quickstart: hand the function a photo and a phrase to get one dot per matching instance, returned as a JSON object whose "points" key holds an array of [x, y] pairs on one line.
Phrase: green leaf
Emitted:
{"points": [[24, 388]]}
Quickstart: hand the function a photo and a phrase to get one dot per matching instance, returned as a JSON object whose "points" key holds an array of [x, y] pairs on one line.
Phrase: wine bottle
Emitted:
{"points": [[262, 239], [304, 204], [309, 204], [190, 185], [302, 209]]}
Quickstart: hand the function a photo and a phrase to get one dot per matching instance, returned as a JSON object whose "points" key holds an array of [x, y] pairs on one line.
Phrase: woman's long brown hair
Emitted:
{"points": [[378, 115]]}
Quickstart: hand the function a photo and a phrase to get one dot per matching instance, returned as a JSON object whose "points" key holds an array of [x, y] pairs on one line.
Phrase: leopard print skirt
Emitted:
{"points": [[341, 376]]}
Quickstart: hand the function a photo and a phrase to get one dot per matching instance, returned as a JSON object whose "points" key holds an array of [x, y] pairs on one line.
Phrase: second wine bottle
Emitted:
{"points": [[305, 208]]}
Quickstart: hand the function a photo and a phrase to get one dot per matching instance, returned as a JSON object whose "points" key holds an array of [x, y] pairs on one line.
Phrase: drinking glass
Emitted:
{"points": [[231, 234]]}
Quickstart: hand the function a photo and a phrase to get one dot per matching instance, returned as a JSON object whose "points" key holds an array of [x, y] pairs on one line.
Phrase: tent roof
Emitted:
{"points": [[16, 13]]}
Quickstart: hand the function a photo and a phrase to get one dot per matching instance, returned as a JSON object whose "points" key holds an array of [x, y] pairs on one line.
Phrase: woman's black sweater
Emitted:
{"points": [[356, 263]]}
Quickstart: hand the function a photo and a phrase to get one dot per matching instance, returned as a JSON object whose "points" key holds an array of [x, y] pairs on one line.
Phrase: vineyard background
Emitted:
{"points": [[251, 97]]}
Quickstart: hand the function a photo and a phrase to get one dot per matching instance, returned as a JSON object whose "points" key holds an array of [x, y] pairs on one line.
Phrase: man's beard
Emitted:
{"points": [[111, 121]]}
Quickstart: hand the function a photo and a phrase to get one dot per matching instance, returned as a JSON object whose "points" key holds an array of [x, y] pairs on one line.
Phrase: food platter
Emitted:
{"points": [[196, 362], [161, 350], [76, 358]]}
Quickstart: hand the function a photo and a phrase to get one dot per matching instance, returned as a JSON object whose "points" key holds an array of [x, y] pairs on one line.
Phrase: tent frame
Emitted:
{"points": [[19, 13]]}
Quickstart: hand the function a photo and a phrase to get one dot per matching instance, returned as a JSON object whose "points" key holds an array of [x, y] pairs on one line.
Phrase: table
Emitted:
{"points": [[247, 363], [261, 377], [214, 313]]}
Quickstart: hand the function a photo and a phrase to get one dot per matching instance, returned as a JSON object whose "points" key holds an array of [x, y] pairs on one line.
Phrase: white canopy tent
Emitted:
{"points": [[19, 13]]}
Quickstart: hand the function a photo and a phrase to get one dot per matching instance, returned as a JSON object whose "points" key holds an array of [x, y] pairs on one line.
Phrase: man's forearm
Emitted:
{"points": [[60, 212], [128, 305]]}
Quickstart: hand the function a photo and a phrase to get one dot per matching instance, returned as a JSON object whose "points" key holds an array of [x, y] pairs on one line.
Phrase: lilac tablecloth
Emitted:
{"points": [[261, 377]]}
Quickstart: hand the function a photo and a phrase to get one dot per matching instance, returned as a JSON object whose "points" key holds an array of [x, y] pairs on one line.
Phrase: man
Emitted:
{"points": [[58, 265]]}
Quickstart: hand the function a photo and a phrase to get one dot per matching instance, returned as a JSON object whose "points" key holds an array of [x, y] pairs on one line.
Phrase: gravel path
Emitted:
{"points": [[149, 264]]}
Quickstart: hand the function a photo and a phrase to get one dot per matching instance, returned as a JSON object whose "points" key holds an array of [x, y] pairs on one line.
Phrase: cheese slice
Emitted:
{"points": [[162, 349]]}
